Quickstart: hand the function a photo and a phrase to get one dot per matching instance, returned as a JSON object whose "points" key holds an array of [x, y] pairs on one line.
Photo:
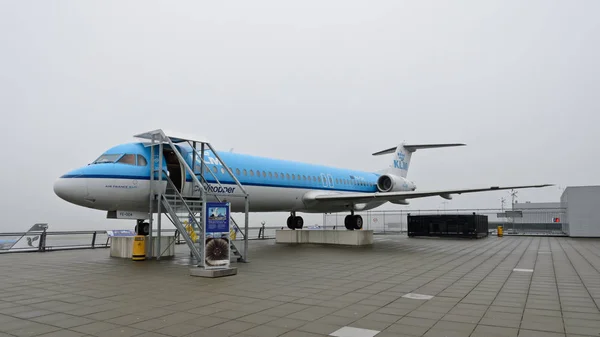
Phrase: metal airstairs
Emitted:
{"points": [[185, 209]]}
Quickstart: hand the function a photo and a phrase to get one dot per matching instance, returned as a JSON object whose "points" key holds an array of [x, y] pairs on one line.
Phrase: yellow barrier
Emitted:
{"points": [[139, 248], [500, 230]]}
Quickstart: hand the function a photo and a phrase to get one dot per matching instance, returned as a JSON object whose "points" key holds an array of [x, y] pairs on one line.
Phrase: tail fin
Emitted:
{"points": [[402, 154]]}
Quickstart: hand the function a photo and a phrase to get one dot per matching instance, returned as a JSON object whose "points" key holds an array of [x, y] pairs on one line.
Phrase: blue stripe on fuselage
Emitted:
{"points": [[338, 179]]}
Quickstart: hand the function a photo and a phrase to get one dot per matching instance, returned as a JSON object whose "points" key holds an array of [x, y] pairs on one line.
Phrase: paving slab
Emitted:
{"points": [[510, 286]]}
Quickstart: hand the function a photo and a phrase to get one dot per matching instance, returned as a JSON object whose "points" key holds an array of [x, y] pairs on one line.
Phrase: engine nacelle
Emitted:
{"points": [[392, 183]]}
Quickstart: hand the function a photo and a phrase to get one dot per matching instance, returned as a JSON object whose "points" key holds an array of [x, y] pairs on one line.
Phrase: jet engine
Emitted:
{"points": [[392, 183]]}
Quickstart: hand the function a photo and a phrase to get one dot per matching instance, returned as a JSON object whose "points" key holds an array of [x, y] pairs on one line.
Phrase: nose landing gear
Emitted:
{"points": [[142, 228]]}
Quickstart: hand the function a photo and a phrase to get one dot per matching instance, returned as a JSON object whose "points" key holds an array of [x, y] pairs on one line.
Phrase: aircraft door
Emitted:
{"points": [[175, 169], [324, 178]]}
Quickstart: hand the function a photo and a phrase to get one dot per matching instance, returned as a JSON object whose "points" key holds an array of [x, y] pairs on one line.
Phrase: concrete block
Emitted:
{"points": [[212, 273], [320, 236], [122, 246]]}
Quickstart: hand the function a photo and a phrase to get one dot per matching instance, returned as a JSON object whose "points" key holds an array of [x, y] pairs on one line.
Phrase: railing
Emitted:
{"points": [[69, 240], [56, 240]]}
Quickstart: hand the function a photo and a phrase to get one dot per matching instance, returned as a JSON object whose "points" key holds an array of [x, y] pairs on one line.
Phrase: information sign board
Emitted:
{"points": [[216, 243]]}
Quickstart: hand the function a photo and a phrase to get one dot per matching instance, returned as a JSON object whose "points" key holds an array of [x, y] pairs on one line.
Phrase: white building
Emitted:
{"points": [[582, 204]]}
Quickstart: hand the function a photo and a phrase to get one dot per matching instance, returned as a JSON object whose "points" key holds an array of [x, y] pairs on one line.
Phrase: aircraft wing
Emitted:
{"points": [[395, 196]]}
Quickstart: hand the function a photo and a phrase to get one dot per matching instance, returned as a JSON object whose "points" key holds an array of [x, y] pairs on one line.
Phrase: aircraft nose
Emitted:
{"points": [[73, 190]]}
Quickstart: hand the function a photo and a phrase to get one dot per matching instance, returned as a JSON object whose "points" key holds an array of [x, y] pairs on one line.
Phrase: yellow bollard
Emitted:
{"points": [[500, 228], [139, 248]]}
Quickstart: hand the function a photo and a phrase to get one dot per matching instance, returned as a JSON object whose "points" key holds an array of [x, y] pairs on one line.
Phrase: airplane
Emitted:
{"points": [[119, 180]]}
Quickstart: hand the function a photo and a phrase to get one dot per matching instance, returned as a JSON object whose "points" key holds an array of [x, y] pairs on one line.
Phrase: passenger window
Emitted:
{"points": [[264, 174], [222, 170], [270, 175], [287, 175], [251, 173], [304, 177], [141, 161], [128, 159], [245, 172], [293, 177], [314, 179], [276, 175], [319, 179], [237, 171], [282, 175], [214, 169]]}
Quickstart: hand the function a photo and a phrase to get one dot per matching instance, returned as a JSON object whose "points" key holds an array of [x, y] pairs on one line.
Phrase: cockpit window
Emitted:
{"points": [[127, 159], [107, 158], [141, 161]]}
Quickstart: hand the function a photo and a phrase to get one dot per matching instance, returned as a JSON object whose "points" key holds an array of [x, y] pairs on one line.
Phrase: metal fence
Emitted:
{"points": [[43, 241], [541, 221], [52, 240]]}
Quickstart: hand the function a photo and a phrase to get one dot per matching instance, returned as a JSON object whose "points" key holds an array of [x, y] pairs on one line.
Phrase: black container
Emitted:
{"points": [[448, 225]]}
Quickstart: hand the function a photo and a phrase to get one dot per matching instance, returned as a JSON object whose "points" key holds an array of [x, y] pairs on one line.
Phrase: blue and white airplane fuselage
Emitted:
{"points": [[119, 180], [111, 183]]}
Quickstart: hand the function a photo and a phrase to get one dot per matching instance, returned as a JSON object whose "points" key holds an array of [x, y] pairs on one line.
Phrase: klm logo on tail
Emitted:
{"points": [[400, 163]]}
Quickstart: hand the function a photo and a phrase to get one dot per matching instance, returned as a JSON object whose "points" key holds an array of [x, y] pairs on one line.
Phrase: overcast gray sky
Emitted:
{"points": [[326, 82]]}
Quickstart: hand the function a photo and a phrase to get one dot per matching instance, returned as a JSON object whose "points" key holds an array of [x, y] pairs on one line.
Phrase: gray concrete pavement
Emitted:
{"points": [[310, 290]]}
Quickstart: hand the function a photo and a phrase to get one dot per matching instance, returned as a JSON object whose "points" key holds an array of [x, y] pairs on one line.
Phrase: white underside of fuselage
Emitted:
{"points": [[134, 195]]}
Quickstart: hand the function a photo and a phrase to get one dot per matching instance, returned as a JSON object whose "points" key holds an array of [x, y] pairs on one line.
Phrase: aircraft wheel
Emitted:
{"points": [[144, 229], [290, 223], [358, 222], [349, 223], [298, 222]]}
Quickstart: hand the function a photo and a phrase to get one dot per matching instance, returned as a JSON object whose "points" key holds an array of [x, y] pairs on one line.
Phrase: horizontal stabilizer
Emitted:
{"points": [[413, 148]]}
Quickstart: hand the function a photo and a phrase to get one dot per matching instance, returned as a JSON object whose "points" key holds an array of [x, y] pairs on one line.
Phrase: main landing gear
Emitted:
{"points": [[353, 222], [295, 222]]}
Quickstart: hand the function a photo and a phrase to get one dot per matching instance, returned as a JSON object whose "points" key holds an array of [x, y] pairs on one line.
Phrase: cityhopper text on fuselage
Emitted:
{"points": [[119, 180]]}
